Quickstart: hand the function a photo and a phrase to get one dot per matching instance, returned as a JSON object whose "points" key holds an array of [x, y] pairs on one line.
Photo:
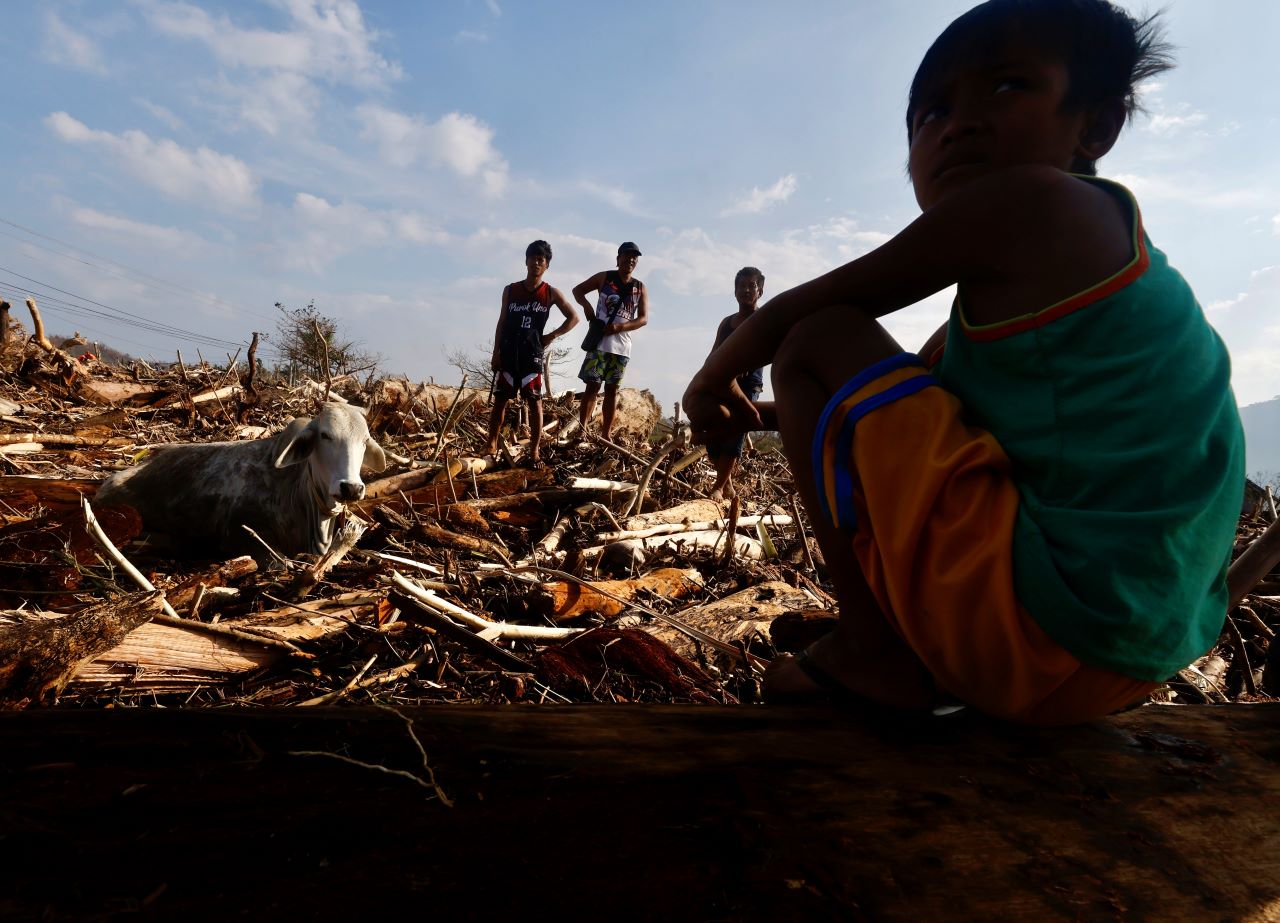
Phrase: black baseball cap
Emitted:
{"points": [[629, 247]]}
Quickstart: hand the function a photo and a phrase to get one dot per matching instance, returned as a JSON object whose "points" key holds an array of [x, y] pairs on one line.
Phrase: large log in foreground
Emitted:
{"points": [[620, 813]]}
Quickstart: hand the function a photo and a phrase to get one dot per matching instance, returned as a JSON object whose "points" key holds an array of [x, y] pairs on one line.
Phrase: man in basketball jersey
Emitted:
{"points": [[519, 343], [622, 306]]}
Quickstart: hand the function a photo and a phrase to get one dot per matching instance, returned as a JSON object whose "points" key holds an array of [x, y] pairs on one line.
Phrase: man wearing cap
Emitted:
{"points": [[622, 306]]}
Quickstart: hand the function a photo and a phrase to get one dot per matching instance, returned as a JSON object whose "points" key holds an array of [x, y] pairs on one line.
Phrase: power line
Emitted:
{"points": [[135, 275], [113, 313]]}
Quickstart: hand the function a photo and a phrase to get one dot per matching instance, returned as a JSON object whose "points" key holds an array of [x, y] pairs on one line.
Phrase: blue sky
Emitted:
{"points": [[192, 163]]}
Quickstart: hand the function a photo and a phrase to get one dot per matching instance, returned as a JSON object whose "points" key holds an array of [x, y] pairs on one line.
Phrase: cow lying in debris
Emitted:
{"points": [[288, 488]]}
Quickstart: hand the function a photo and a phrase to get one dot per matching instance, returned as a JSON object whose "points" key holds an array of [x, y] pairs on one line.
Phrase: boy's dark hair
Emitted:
{"points": [[538, 248], [749, 271], [1107, 51]]}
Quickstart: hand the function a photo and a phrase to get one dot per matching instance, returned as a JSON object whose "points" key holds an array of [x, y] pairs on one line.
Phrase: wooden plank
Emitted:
{"points": [[608, 812]]}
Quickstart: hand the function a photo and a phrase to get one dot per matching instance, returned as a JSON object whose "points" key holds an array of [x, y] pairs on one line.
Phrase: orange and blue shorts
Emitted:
{"points": [[931, 504]]}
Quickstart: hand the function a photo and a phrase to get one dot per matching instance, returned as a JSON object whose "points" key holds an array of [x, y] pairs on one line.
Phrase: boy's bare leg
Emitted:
{"points": [[725, 466], [609, 408], [495, 424], [863, 653], [587, 406], [535, 428]]}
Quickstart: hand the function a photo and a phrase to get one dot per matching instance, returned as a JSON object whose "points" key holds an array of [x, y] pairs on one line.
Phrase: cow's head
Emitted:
{"points": [[335, 444]]}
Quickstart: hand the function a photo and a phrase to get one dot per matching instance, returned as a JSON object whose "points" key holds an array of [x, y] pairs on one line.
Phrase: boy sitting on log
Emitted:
{"points": [[1034, 515]]}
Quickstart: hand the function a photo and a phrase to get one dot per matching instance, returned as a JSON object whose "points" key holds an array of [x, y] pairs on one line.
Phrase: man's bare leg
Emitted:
{"points": [[607, 411], [495, 424], [725, 466], [587, 406], [535, 429], [863, 653]]}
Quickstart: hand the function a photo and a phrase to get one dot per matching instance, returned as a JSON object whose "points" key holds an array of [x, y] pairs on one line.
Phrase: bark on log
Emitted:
{"points": [[733, 814], [24, 493], [684, 542], [692, 511], [40, 653], [738, 617], [562, 600], [438, 535], [1257, 561], [124, 392], [184, 656]]}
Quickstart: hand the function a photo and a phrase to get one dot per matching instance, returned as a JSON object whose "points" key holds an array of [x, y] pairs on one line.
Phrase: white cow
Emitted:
{"points": [[288, 488]]}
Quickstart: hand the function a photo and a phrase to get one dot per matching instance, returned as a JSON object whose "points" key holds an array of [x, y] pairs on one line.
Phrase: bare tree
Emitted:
{"points": [[314, 345], [476, 364]]}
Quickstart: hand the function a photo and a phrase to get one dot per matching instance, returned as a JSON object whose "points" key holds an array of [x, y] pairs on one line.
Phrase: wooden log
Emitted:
{"points": [[40, 653], [561, 600], [25, 492], [438, 535], [692, 511], [183, 656], [59, 439], [1247, 571], [738, 617], [685, 542], [124, 392], [734, 813]]}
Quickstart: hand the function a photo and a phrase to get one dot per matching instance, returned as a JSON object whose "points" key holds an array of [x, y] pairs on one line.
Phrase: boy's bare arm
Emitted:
{"points": [[582, 288], [641, 318], [570, 318], [1031, 233]]}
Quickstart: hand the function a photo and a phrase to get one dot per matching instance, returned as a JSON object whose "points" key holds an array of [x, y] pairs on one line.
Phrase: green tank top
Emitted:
{"points": [[1115, 407]]}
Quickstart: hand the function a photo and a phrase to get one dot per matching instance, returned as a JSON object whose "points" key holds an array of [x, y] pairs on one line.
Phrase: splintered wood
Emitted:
{"points": [[603, 574]]}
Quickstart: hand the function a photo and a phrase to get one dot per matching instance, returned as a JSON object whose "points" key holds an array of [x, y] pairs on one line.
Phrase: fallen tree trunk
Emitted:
{"points": [[733, 813], [41, 652]]}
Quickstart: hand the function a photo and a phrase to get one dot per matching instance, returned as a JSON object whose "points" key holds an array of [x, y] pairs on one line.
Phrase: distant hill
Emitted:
{"points": [[1262, 440]]}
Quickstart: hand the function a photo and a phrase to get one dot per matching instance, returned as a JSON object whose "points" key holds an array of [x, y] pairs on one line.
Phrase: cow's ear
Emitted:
{"points": [[299, 442], [374, 458]]}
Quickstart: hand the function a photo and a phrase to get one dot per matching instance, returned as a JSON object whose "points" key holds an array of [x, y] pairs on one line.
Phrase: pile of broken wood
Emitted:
{"points": [[602, 575]]}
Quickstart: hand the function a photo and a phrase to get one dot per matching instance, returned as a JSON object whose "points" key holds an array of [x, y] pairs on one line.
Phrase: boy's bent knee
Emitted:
{"points": [[831, 346]]}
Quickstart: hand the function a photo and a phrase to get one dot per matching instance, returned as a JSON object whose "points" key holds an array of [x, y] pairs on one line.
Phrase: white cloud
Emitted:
{"points": [[1170, 123], [1247, 323], [329, 231], [1275, 225], [201, 175], [171, 121], [695, 263], [493, 7], [328, 40], [276, 103], [1193, 190], [64, 45], [759, 199], [150, 235], [624, 200], [467, 36], [458, 141]]}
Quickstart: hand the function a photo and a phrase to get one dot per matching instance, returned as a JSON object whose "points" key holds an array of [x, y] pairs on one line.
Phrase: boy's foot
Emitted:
{"points": [[827, 671]]}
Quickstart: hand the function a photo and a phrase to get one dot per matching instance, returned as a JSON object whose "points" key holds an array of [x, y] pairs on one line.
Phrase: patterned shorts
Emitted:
{"points": [[601, 366]]}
